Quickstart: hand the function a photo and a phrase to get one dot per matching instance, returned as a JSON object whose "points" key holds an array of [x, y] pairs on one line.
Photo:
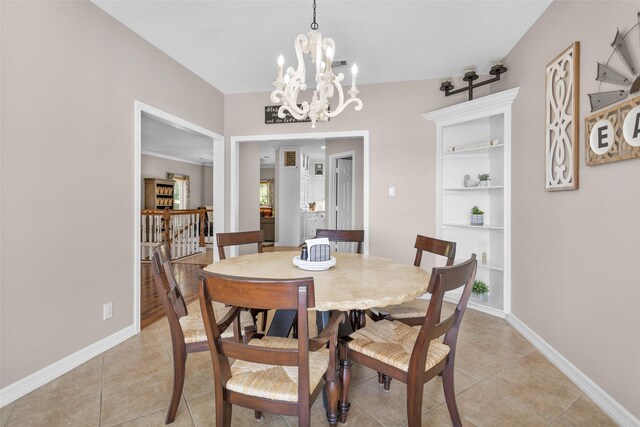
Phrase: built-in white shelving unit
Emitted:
{"points": [[474, 138]]}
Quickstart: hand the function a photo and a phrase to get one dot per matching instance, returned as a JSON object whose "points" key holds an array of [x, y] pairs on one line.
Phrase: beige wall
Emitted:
{"points": [[70, 74], [207, 185], [268, 173], [249, 186], [343, 145], [402, 154], [576, 254], [157, 167]]}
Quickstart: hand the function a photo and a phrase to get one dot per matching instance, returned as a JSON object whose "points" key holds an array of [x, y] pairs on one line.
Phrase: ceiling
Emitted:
{"points": [[233, 45], [169, 140]]}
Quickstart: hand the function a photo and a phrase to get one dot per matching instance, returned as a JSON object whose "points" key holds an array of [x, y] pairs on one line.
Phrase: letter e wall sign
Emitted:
{"points": [[613, 134]]}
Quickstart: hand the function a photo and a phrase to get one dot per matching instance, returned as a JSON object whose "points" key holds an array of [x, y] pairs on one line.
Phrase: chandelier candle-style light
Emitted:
{"points": [[288, 86]]}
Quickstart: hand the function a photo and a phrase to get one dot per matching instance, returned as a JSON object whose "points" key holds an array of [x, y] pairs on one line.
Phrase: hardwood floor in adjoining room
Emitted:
{"points": [[186, 271], [150, 306]]}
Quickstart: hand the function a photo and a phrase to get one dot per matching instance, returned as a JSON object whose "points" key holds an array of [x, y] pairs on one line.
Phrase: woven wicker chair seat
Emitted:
{"points": [[193, 325], [392, 343], [415, 308], [272, 381]]}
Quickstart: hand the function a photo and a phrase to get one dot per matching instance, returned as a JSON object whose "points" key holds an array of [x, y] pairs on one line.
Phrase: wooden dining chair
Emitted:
{"points": [[238, 238], [274, 374], [356, 317], [185, 323], [412, 312], [343, 236], [410, 355], [243, 238]]}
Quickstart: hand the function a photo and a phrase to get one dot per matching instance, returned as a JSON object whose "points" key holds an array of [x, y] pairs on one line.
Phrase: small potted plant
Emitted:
{"points": [[484, 179], [480, 291], [477, 216]]}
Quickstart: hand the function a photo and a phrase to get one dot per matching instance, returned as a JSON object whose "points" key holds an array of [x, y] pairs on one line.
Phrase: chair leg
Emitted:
{"points": [[414, 403], [223, 411], [264, 320], [362, 319], [258, 415], [345, 382], [387, 382], [380, 377], [353, 319], [332, 388], [304, 415], [179, 367], [450, 394]]}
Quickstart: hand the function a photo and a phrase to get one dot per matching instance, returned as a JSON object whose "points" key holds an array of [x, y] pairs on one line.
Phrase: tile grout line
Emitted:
{"points": [[13, 406], [567, 408], [186, 403], [352, 402], [101, 392]]}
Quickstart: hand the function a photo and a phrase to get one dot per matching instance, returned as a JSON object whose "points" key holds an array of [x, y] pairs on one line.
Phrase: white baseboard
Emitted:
{"points": [[43, 376], [476, 306], [608, 404]]}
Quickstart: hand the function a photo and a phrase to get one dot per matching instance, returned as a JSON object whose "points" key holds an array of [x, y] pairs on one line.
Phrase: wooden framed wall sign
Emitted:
{"points": [[613, 134], [290, 158], [562, 89]]}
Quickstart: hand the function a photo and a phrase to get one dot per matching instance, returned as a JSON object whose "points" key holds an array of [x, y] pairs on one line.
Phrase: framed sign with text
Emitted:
{"points": [[271, 116], [613, 134]]}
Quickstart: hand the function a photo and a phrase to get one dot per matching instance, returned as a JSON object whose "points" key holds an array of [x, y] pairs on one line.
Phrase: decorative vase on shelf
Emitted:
{"points": [[477, 219], [480, 291], [483, 298], [476, 216], [484, 179]]}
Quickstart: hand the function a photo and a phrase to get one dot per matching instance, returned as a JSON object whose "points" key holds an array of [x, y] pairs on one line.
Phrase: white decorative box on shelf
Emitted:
{"points": [[474, 147]]}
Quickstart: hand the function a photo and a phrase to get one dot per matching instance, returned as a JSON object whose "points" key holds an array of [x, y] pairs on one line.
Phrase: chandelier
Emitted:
{"points": [[287, 87]]}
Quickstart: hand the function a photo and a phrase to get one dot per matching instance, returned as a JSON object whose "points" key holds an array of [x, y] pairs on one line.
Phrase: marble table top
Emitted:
{"points": [[355, 282]]}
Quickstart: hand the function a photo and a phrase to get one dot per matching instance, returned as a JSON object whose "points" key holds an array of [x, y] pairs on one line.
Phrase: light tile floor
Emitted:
{"points": [[501, 380]]}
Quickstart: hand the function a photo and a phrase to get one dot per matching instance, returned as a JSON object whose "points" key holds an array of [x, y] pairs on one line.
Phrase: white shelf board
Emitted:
{"points": [[477, 227], [492, 187], [471, 150], [489, 265]]}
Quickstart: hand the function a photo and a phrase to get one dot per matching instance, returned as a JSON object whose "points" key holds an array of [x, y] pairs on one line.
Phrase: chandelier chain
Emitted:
{"points": [[314, 24]]}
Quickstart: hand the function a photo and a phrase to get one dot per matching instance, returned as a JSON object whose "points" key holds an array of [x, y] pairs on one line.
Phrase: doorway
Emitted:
{"points": [[145, 115], [362, 202]]}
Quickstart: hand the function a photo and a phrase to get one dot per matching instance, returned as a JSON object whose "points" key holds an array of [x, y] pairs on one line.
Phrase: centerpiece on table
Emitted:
{"points": [[315, 255]]}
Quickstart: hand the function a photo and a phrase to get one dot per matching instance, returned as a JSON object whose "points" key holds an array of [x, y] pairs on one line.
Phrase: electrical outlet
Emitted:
{"points": [[107, 311], [392, 191]]}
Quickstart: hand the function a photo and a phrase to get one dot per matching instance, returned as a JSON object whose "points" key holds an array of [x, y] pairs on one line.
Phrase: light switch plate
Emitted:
{"points": [[392, 191], [107, 311]]}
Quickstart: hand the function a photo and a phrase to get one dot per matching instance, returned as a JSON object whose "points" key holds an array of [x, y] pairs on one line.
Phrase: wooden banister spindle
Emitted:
{"points": [[201, 213]]}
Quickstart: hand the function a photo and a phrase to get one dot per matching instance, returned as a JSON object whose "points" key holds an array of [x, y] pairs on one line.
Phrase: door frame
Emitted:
{"points": [[234, 167], [331, 218], [217, 144]]}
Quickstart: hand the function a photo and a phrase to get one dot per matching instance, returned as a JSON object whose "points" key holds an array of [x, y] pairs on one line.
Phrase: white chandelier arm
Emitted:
{"points": [[279, 96], [341, 103]]}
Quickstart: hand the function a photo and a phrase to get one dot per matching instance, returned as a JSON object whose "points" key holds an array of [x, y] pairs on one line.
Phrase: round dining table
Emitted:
{"points": [[356, 282]]}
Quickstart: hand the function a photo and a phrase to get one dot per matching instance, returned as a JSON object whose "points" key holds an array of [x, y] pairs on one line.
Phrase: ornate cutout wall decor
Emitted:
{"points": [[613, 134], [562, 109]]}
